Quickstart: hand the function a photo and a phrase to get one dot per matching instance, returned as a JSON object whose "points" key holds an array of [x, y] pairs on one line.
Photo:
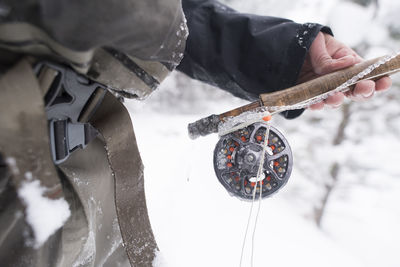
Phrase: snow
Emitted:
{"points": [[12, 163], [346, 18], [44, 215], [159, 260], [197, 223], [193, 217]]}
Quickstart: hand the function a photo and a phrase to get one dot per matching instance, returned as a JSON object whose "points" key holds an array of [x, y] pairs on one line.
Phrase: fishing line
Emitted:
{"points": [[260, 181]]}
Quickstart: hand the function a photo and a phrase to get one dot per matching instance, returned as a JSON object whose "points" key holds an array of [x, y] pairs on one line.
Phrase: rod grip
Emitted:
{"points": [[327, 83]]}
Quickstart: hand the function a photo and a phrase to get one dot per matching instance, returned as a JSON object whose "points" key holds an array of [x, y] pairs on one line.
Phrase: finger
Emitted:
{"points": [[340, 63], [344, 51], [319, 55], [364, 90], [383, 84], [321, 51], [317, 106], [335, 100]]}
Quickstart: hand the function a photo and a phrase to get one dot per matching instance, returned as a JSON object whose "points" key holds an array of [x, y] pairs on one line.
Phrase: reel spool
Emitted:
{"points": [[237, 158]]}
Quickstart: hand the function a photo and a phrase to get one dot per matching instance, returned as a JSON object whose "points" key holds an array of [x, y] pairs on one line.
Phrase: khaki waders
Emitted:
{"points": [[103, 183]]}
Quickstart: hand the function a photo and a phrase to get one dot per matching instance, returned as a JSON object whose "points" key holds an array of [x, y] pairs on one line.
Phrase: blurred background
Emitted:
{"points": [[341, 206]]}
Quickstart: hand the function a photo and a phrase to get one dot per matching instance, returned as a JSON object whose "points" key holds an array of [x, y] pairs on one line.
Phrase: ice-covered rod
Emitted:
{"points": [[300, 93]]}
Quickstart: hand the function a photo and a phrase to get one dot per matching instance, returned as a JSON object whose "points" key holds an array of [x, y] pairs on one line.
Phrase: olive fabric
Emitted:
{"points": [[90, 181], [141, 42], [25, 147], [142, 29]]}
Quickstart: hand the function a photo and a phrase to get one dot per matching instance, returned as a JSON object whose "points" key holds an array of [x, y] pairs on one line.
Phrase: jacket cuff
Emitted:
{"points": [[297, 53]]}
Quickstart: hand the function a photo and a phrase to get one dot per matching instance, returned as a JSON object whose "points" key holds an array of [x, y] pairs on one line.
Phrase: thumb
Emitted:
{"points": [[322, 62]]}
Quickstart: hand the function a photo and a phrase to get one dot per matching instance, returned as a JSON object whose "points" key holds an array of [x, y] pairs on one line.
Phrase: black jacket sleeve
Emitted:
{"points": [[244, 54]]}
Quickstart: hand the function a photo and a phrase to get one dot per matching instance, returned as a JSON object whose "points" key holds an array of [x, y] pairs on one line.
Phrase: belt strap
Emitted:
{"points": [[114, 124], [23, 136]]}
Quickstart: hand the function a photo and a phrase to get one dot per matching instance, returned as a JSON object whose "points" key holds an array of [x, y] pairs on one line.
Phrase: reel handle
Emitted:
{"points": [[299, 93], [204, 126]]}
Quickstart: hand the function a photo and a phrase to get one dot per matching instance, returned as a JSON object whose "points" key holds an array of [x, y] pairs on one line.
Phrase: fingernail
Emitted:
{"points": [[366, 95]]}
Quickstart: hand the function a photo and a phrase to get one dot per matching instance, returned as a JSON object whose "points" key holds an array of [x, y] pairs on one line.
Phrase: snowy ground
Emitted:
{"points": [[197, 223]]}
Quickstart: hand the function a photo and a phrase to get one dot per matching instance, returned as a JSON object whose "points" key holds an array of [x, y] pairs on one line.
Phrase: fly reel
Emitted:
{"points": [[237, 157]]}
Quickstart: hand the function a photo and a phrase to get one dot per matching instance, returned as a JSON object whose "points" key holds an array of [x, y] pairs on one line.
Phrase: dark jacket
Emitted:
{"points": [[242, 53]]}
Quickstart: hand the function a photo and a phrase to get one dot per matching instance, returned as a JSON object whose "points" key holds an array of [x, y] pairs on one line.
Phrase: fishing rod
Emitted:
{"points": [[242, 149]]}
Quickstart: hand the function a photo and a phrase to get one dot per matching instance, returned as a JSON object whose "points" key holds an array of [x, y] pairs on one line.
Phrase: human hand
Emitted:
{"points": [[326, 55]]}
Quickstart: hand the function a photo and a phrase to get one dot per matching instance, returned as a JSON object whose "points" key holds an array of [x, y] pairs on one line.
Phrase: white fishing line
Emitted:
{"points": [[259, 180], [247, 228]]}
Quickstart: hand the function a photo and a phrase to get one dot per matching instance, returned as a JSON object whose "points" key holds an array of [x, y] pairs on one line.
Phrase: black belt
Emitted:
{"points": [[70, 101]]}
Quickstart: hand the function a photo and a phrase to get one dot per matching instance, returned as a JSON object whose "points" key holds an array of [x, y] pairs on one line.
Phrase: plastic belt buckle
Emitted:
{"points": [[68, 97]]}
